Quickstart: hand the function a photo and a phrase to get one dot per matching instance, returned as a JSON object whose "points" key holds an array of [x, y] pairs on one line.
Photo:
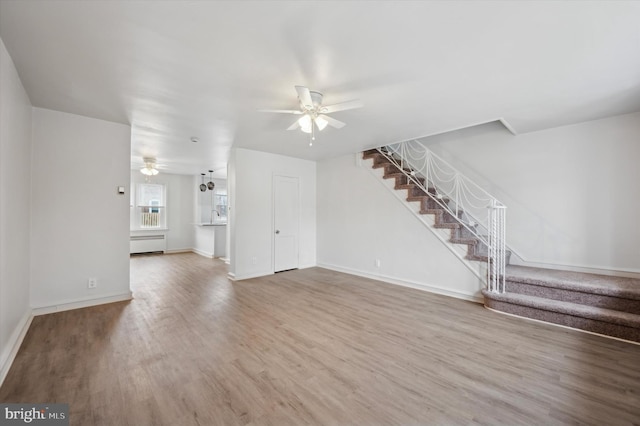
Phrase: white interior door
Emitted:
{"points": [[286, 220]]}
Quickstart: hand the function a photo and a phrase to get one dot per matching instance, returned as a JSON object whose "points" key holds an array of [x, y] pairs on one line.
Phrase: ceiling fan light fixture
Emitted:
{"points": [[305, 123], [312, 112], [148, 171], [149, 168]]}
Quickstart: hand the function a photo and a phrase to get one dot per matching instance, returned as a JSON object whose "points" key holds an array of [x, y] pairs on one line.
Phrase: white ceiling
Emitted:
{"points": [[176, 69]]}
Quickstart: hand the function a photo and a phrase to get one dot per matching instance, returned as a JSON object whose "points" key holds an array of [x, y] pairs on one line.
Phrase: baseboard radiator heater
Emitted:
{"points": [[147, 243]]}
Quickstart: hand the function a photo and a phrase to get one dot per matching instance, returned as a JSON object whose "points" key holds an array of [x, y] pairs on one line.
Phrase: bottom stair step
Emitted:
{"points": [[609, 322]]}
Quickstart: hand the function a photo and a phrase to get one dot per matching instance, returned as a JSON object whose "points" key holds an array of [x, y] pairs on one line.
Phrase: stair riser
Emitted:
{"points": [[600, 327], [433, 204], [448, 217], [483, 251], [601, 301], [390, 168], [462, 232], [380, 161], [400, 180], [372, 153], [416, 192]]}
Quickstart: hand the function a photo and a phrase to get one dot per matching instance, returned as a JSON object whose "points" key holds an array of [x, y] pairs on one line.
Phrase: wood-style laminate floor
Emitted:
{"points": [[313, 347]]}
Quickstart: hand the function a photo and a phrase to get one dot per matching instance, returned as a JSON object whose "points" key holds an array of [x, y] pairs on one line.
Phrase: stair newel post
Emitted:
{"points": [[497, 251], [492, 266], [502, 255]]}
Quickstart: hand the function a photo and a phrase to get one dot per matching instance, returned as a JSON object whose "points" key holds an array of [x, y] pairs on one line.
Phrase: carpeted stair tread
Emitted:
{"points": [[446, 225], [574, 309], [628, 288], [477, 257], [470, 241]]}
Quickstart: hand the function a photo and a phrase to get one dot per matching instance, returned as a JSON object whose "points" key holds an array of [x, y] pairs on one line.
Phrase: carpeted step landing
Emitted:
{"points": [[597, 303]]}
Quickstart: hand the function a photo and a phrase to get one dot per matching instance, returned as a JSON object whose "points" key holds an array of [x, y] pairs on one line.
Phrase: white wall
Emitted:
{"points": [[360, 221], [572, 192], [15, 208], [80, 224], [180, 205], [251, 210]]}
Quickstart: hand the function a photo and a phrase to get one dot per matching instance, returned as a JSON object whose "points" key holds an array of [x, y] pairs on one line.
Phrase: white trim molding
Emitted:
{"points": [[206, 254], [176, 251], [82, 303], [519, 260], [477, 298], [13, 345], [234, 277]]}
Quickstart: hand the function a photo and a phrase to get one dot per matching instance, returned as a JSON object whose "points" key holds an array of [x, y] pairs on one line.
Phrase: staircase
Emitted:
{"points": [[601, 304], [461, 230], [597, 303]]}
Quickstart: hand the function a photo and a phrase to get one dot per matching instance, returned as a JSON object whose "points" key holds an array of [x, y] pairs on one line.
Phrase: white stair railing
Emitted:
{"points": [[481, 215]]}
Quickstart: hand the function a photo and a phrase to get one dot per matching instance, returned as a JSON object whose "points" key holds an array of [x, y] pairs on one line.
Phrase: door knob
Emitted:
{"points": [[277, 231]]}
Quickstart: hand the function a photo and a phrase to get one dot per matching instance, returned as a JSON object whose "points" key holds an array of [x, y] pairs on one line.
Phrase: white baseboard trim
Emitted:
{"points": [[404, 283], [203, 253], [82, 303], [174, 251], [598, 270], [234, 277], [13, 345]]}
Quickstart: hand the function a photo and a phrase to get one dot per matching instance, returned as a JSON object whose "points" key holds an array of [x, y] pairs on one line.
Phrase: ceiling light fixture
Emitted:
{"points": [[313, 113], [210, 184], [305, 123], [149, 168]]}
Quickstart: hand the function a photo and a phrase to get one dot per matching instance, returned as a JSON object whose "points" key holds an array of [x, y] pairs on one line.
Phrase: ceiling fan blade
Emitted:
{"points": [[342, 106], [294, 126], [333, 122], [305, 96], [282, 111]]}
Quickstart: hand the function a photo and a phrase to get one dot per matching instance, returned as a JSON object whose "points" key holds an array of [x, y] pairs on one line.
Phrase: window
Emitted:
{"points": [[150, 203], [221, 205]]}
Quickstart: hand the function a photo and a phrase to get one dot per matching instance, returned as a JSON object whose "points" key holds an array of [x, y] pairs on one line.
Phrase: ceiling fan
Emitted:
{"points": [[314, 113]]}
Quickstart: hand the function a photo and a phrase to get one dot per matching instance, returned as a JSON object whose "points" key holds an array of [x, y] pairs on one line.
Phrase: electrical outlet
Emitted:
{"points": [[254, 260], [92, 283], [377, 263]]}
